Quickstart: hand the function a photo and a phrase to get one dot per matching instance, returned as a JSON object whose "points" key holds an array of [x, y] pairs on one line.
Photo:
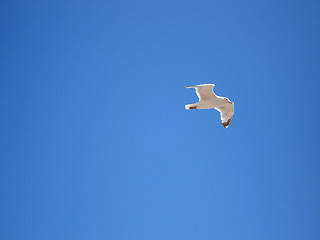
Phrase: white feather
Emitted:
{"points": [[208, 100]]}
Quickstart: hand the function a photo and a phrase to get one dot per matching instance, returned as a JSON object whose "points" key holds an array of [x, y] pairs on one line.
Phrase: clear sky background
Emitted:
{"points": [[95, 140]]}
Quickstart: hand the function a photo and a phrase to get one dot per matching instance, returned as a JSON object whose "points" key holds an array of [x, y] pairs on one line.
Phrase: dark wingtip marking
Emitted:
{"points": [[226, 124]]}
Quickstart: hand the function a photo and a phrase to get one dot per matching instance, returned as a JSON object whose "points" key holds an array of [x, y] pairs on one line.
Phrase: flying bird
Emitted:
{"points": [[208, 100]]}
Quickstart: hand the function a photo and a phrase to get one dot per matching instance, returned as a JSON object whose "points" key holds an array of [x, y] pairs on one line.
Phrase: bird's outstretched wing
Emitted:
{"points": [[204, 91], [226, 113]]}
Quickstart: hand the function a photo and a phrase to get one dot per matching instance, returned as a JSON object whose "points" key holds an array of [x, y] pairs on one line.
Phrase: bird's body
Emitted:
{"points": [[208, 100]]}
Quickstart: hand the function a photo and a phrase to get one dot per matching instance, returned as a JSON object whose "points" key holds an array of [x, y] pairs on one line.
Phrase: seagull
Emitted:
{"points": [[209, 100]]}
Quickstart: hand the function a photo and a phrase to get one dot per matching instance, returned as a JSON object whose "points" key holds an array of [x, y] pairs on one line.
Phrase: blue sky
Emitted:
{"points": [[95, 140]]}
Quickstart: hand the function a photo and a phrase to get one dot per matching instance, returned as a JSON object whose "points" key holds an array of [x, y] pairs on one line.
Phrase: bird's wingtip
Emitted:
{"points": [[226, 124]]}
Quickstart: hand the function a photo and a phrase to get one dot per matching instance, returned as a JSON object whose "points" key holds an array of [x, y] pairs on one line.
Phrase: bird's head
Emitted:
{"points": [[227, 99]]}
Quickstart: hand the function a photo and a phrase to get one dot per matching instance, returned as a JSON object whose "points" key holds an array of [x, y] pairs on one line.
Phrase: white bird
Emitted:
{"points": [[209, 100]]}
